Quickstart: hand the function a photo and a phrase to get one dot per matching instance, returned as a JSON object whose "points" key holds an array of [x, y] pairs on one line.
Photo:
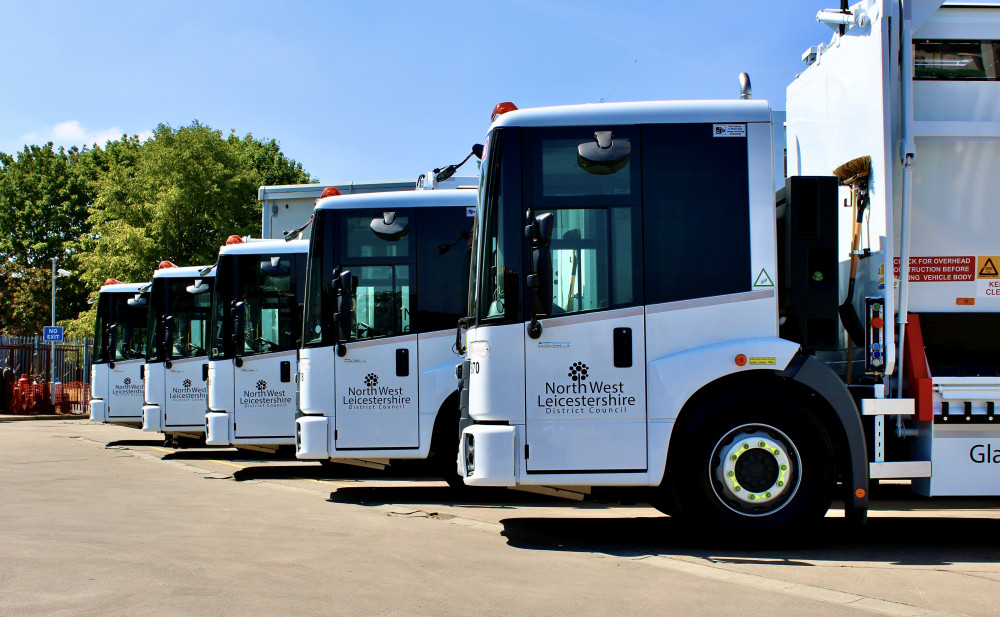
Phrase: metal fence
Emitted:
{"points": [[31, 386]]}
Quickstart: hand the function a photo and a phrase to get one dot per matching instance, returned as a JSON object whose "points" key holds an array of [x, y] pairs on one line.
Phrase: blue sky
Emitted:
{"points": [[367, 90]]}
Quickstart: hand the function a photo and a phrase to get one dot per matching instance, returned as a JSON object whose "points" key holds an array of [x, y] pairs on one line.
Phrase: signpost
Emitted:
{"points": [[52, 334]]}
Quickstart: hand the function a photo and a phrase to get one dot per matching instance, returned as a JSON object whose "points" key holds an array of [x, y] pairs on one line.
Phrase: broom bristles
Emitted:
{"points": [[855, 169]]}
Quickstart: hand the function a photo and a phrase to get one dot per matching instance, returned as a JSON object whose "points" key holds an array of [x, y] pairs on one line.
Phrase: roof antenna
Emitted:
{"points": [[625, 74]]}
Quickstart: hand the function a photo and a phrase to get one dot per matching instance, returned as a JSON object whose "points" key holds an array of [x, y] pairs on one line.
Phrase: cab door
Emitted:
{"points": [[186, 394], [266, 398], [125, 391], [585, 382], [376, 379]]}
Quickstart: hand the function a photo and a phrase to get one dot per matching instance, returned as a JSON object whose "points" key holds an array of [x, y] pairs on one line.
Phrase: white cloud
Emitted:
{"points": [[72, 133]]}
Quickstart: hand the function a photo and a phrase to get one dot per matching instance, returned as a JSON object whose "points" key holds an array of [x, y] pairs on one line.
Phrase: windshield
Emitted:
{"points": [[257, 306], [178, 318], [498, 242], [120, 332], [405, 282]]}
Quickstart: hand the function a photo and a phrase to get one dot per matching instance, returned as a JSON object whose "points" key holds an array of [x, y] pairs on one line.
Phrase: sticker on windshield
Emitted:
{"points": [[729, 130], [470, 211]]}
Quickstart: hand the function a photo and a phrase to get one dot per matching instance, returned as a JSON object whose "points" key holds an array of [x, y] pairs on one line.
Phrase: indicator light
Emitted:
{"points": [[877, 322], [741, 360], [859, 493]]}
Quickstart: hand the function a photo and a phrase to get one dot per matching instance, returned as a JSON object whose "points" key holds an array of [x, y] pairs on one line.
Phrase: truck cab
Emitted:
{"points": [[623, 318], [255, 332], [119, 351], [180, 300], [384, 293]]}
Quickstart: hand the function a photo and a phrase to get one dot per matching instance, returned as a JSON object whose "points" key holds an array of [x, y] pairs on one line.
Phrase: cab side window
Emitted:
{"points": [[696, 228], [589, 180], [378, 251]]}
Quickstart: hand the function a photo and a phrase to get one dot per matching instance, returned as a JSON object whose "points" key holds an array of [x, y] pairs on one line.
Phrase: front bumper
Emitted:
{"points": [[217, 428], [152, 419], [98, 411], [488, 455], [312, 437]]}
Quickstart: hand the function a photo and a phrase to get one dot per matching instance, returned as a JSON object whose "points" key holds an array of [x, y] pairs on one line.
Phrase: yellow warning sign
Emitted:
{"points": [[986, 267], [763, 361]]}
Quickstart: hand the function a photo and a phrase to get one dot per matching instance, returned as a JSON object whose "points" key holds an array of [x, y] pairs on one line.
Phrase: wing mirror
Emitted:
{"points": [[538, 231], [238, 311], [344, 284]]}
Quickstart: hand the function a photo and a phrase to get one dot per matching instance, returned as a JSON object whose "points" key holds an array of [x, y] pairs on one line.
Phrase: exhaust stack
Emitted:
{"points": [[745, 93]]}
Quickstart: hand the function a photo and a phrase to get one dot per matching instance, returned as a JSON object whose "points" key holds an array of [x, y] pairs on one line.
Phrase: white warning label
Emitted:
{"points": [[729, 130]]}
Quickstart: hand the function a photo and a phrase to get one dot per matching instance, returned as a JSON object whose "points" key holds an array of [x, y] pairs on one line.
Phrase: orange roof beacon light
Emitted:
{"points": [[502, 108], [330, 191], [234, 239], [112, 282], [166, 264]]}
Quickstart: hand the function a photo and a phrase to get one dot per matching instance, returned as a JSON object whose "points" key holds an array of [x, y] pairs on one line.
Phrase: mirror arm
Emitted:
{"points": [[463, 324], [535, 327]]}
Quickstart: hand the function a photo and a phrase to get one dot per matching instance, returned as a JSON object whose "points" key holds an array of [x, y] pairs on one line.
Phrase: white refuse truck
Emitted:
{"points": [[645, 314], [285, 207], [180, 301], [384, 292], [119, 352], [255, 333]]}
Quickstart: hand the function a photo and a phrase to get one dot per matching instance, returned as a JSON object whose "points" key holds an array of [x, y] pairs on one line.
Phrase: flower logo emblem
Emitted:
{"points": [[371, 380], [578, 371], [128, 381], [261, 385], [187, 383]]}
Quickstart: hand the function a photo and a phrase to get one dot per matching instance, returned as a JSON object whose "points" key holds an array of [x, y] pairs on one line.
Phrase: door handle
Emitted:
{"points": [[623, 347], [402, 362], [286, 371]]}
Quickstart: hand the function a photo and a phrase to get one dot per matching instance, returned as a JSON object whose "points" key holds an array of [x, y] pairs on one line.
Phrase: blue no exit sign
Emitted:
{"points": [[52, 334]]}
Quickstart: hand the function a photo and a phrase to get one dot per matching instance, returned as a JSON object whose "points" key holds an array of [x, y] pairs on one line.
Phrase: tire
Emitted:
{"points": [[755, 460], [445, 443]]}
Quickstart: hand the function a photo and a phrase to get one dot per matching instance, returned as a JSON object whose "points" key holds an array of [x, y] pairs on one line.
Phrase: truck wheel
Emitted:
{"points": [[755, 460]]}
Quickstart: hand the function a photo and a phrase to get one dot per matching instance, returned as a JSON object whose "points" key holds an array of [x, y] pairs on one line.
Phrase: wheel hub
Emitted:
{"points": [[754, 469]]}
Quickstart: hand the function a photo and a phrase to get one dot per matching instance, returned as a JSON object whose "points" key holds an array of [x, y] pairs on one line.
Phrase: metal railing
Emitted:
{"points": [[29, 384]]}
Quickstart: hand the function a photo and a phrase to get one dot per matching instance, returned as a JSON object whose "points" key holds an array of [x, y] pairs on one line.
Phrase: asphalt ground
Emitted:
{"points": [[103, 520]]}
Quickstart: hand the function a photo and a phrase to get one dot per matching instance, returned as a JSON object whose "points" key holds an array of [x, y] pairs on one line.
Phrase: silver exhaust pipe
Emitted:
{"points": [[745, 93]]}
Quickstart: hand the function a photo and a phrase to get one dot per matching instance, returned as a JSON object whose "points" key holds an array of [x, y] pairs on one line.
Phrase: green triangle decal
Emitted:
{"points": [[763, 280]]}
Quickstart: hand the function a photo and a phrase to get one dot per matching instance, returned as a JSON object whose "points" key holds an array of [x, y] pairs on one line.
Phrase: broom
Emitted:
{"points": [[854, 174]]}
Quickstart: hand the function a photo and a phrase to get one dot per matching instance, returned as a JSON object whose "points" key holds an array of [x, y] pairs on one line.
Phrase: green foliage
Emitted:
{"points": [[44, 196], [43, 203], [117, 211], [182, 194], [26, 299]]}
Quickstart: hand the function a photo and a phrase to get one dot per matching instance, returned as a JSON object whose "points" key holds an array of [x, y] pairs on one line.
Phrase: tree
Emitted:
{"points": [[175, 197], [44, 196]]}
